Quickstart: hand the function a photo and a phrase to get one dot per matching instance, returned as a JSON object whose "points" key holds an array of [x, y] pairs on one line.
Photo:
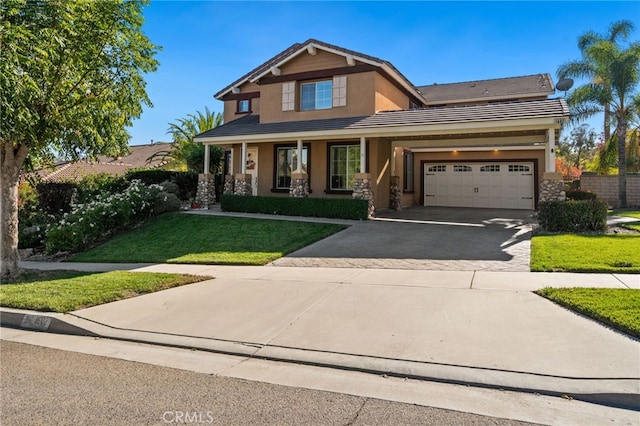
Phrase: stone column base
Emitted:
{"points": [[299, 185], [395, 198], [228, 184], [362, 190], [242, 184], [206, 191], [552, 187]]}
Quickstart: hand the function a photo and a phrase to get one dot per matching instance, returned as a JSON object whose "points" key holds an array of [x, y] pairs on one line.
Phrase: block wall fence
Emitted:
{"points": [[606, 188]]}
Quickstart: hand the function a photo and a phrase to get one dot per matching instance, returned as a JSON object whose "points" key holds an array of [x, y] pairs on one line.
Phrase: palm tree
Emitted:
{"points": [[614, 72], [185, 152]]}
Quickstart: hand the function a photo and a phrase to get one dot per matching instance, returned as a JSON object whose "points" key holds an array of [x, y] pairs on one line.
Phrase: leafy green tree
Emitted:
{"points": [[613, 71], [71, 81], [186, 152], [579, 146]]}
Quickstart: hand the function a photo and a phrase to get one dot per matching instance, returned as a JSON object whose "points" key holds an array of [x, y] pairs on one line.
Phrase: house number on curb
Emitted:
{"points": [[36, 322]]}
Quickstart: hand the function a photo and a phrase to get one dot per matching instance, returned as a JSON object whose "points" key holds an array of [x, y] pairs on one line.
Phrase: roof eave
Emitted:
{"points": [[396, 131]]}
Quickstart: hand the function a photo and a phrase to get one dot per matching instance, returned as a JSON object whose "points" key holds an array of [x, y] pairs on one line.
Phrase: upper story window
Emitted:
{"points": [[244, 105], [316, 95]]}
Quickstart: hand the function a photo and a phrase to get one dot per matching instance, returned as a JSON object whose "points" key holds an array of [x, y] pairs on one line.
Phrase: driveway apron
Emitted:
{"points": [[453, 239]]}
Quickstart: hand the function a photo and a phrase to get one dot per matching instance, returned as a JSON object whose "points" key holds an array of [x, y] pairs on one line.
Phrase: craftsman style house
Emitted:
{"points": [[319, 120]]}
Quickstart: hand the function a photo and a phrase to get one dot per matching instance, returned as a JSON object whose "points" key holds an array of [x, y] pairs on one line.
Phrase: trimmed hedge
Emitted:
{"points": [[572, 215], [576, 194], [336, 208]]}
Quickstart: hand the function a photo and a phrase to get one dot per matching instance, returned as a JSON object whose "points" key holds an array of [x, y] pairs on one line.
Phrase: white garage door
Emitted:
{"points": [[495, 185]]}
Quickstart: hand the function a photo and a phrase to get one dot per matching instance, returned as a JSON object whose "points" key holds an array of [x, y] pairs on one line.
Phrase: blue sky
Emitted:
{"points": [[208, 44]]}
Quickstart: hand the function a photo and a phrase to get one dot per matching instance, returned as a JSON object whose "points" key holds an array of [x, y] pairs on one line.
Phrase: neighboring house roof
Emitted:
{"points": [[298, 48], [396, 120], [135, 159], [537, 85]]}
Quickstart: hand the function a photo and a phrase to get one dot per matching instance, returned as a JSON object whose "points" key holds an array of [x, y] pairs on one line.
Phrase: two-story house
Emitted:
{"points": [[319, 120]]}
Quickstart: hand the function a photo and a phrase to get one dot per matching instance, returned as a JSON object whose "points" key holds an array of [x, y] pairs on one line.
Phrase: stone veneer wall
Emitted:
{"points": [[362, 190], [395, 198], [299, 185], [606, 188], [242, 184], [206, 191], [228, 184], [552, 190]]}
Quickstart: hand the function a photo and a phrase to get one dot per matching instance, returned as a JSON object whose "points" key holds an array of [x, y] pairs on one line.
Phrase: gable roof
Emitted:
{"points": [[296, 49], [536, 85], [388, 121]]}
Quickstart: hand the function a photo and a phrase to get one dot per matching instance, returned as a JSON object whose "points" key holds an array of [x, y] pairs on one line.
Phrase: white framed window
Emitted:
{"points": [[244, 105], [287, 162], [316, 95], [440, 168], [463, 169], [518, 168], [344, 163]]}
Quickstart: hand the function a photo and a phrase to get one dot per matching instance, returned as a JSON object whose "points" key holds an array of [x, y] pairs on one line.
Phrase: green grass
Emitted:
{"points": [[64, 291], [617, 307], [586, 253], [186, 238], [629, 213]]}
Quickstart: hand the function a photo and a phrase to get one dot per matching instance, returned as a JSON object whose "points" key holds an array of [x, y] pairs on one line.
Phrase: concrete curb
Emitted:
{"points": [[616, 392]]}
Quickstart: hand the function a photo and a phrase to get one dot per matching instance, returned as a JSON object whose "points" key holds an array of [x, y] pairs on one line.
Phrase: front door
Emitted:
{"points": [[252, 169]]}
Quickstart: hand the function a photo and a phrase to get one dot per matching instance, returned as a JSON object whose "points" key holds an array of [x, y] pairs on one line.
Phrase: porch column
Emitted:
{"points": [[242, 184], [363, 155], [206, 159], [362, 188], [299, 187], [552, 185], [550, 151], [229, 179]]}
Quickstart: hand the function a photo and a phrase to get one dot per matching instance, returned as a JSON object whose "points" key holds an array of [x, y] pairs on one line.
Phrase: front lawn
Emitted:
{"points": [[629, 213], [617, 307], [200, 239], [586, 253], [65, 291]]}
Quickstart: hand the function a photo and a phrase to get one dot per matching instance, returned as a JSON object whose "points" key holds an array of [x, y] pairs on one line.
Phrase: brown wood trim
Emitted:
{"points": [[240, 96], [311, 75], [536, 186]]}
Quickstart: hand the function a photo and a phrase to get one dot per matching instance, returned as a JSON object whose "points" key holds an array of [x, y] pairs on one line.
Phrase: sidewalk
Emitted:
{"points": [[477, 328]]}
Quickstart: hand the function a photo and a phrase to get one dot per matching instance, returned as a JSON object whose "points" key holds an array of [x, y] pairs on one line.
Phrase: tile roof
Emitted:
{"points": [[296, 47], [515, 110], [135, 159], [499, 88]]}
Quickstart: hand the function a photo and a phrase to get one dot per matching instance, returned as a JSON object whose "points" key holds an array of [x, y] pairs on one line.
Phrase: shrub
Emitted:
{"points": [[313, 207], [149, 176], [572, 215], [187, 184], [56, 197], [91, 222], [576, 194], [99, 184]]}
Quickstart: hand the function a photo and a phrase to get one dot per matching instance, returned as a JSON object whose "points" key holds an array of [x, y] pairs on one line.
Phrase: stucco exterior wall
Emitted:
{"points": [[387, 96], [322, 60], [606, 188]]}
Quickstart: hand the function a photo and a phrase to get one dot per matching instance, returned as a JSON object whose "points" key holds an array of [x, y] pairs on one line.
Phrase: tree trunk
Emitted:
{"points": [[622, 165], [11, 160], [607, 122]]}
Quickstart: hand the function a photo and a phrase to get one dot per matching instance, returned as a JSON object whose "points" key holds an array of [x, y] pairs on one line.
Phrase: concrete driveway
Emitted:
{"points": [[431, 238]]}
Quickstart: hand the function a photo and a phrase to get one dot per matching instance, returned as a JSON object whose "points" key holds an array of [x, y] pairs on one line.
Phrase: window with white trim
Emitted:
{"points": [[287, 162], [316, 95], [440, 168], [344, 163], [462, 168]]}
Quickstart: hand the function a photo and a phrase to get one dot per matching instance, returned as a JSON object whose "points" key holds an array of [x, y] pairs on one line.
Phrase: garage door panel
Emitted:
{"points": [[497, 185]]}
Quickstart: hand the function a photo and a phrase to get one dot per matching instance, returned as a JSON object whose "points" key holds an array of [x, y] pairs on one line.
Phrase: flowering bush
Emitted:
{"points": [[90, 222]]}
